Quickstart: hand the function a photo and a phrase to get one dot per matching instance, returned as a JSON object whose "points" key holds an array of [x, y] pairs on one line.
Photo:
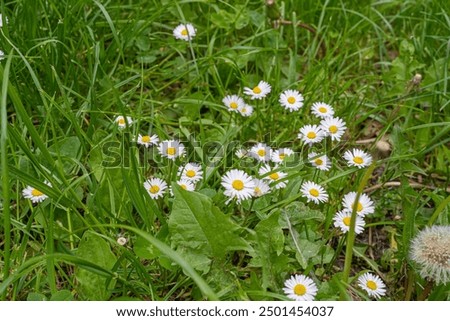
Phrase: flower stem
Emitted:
{"points": [[351, 233]]}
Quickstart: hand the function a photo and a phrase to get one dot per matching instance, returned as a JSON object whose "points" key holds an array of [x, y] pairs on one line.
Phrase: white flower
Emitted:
{"points": [[430, 249], [320, 109], [311, 134], [321, 162], [246, 110], [171, 149], [191, 172], [300, 288], [314, 192], [186, 184], [261, 188], [2, 55], [279, 155], [357, 158], [275, 176], [155, 187], [342, 220], [3, 20], [365, 205], [291, 100], [147, 140], [238, 185], [333, 127], [258, 92], [261, 152], [372, 284], [233, 102], [35, 195], [241, 153], [122, 122], [184, 32], [122, 241]]}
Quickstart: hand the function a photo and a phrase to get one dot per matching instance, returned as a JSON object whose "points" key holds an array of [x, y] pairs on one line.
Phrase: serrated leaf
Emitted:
{"points": [[270, 244], [200, 231], [298, 212], [95, 249]]}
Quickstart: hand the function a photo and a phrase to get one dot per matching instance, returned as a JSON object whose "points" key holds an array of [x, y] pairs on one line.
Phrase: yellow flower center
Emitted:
{"points": [[371, 285], [358, 160], [184, 32], [333, 129], [36, 192], [146, 139], [244, 110], [282, 156], [274, 176], [190, 173], [257, 190], [346, 221], [311, 135], [299, 289], [291, 100], [359, 207], [318, 161], [238, 184], [154, 189], [314, 192], [262, 152], [257, 90], [171, 151], [233, 105], [121, 121], [323, 110], [183, 186]]}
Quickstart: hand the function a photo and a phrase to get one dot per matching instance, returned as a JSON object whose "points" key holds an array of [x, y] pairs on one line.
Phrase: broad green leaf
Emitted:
{"points": [[36, 297], [63, 295], [94, 249], [298, 212], [200, 231], [270, 243]]}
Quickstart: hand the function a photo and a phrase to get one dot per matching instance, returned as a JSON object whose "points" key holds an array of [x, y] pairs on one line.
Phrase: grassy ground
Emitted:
{"points": [[72, 66]]}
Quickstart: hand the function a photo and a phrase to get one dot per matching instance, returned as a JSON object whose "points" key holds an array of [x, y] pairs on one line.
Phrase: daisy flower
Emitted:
{"points": [[261, 188], [2, 55], [122, 122], [342, 220], [321, 162], [171, 149], [261, 152], [184, 32], [191, 172], [430, 249], [291, 100], [357, 158], [3, 20], [274, 176], [147, 140], [187, 185], [311, 134], [155, 187], [300, 288], [333, 127], [314, 192], [258, 92], [238, 185], [364, 206], [246, 110], [241, 153], [233, 102], [372, 284], [122, 241], [322, 110], [35, 195], [279, 155]]}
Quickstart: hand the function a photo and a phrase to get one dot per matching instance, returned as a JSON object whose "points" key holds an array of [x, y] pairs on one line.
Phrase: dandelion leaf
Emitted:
{"points": [[91, 285], [199, 231]]}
